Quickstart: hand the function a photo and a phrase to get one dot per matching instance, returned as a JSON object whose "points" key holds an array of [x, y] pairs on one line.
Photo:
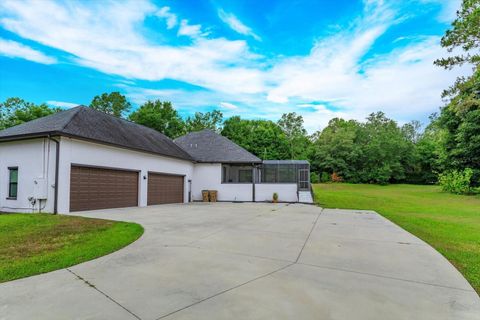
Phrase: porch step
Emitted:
{"points": [[305, 197]]}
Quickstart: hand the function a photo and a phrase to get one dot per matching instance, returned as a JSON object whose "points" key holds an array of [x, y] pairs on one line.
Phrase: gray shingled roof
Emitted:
{"points": [[86, 123], [209, 146]]}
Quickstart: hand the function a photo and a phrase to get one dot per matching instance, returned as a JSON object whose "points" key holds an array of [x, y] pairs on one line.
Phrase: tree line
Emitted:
{"points": [[377, 150]]}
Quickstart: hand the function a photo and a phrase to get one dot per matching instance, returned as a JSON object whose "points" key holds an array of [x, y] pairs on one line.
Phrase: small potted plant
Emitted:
{"points": [[275, 197]]}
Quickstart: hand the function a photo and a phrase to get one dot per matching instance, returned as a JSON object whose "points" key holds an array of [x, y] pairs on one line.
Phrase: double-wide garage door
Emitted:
{"points": [[99, 188], [102, 188]]}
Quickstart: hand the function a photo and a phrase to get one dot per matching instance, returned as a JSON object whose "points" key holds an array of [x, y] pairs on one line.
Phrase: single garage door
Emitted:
{"points": [[99, 188], [164, 188]]}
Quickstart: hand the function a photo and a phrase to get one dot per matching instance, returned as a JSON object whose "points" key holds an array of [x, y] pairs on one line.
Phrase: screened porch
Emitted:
{"points": [[269, 172]]}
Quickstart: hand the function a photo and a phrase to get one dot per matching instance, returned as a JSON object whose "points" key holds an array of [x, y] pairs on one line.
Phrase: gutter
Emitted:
{"points": [[57, 165]]}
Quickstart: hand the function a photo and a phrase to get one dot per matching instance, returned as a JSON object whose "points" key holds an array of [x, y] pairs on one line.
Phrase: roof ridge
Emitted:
{"points": [[125, 120], [213, 146], [197, 132], [74, 114]]}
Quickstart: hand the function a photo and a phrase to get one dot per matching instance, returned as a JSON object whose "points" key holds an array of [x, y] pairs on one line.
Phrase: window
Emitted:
{"points": [[13, 183], [226, 174], [237, 173], [245, 175]]}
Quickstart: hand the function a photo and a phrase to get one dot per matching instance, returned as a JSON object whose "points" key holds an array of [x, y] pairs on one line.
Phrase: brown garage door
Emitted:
{"points": [[164, 188], [98, 188]]}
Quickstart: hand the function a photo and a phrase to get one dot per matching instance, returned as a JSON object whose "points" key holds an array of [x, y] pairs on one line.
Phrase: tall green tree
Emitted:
{"points": [[376, 151], [160, 116], [412, 131], [14, 111], [335, 149], [113, 103], [464, 35], [263, 138], [296, 135], [208, 120], [386, 151], [430, 154], [460, 118]]}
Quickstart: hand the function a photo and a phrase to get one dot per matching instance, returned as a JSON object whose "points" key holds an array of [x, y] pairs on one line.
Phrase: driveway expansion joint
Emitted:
{"points": [[226, 290], [309, 234], [101, 292], [385, 277]]}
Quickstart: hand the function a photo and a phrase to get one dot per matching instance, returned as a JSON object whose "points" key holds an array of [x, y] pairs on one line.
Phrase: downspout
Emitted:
{"points": [[189, 190], [57, 165], [254, 176]]}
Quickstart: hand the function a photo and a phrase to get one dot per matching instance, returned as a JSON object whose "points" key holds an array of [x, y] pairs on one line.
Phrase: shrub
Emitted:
{"points": [[456, 181], [314, 177], [325, 177]]}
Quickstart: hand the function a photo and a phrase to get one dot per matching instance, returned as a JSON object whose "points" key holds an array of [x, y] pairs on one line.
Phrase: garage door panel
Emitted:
{"points": [[164, 188], [99, 188]]}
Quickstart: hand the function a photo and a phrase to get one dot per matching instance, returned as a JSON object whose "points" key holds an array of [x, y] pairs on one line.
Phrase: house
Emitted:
{"points": [[83, 159]]}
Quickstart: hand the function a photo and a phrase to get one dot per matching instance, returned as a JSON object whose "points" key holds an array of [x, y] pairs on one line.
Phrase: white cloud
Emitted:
{"points": [[227, 105], [191, 30], [62, 104], [116, 46], [15, 49], [448, 9], [170, 18], [235, 24], [404, 82]]}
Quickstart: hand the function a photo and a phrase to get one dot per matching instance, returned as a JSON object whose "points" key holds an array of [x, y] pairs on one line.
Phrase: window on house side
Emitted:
{"points": [[13, 183]]}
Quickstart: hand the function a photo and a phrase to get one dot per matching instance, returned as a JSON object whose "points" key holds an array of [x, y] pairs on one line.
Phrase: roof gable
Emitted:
{"points": [[52, 123], [87, 123], [209, 146]]}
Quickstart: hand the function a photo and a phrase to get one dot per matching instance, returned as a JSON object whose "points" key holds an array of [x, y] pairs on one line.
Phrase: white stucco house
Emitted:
{"points": [[82, 159]]}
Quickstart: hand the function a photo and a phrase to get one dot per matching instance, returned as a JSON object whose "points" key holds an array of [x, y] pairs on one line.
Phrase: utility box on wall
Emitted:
{"points": [[40, 188]]}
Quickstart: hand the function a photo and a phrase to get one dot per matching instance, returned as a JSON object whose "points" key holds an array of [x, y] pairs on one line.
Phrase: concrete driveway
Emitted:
{"points": [[251, 261]]}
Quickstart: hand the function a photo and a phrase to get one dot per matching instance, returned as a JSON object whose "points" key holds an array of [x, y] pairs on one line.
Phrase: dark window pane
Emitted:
{"points": [[245, 175], [13, 182], [13, 175], [13, 190], [224, 174]]}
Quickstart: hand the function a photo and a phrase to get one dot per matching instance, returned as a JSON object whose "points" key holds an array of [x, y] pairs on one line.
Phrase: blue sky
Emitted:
{"points": [[257, 59]]}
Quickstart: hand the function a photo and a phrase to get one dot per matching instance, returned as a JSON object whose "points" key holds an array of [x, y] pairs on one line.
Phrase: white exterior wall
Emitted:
{"points": [[208, 176], [34, 161], [79, 152], [287, 192]]}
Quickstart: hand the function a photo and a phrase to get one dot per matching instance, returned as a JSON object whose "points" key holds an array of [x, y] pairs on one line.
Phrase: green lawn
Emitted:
{"points": [[36, 243], [450, 223]]}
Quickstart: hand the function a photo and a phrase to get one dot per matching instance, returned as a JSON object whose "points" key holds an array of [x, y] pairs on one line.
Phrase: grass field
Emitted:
{"points": [[36, 243], [450, 223]]}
